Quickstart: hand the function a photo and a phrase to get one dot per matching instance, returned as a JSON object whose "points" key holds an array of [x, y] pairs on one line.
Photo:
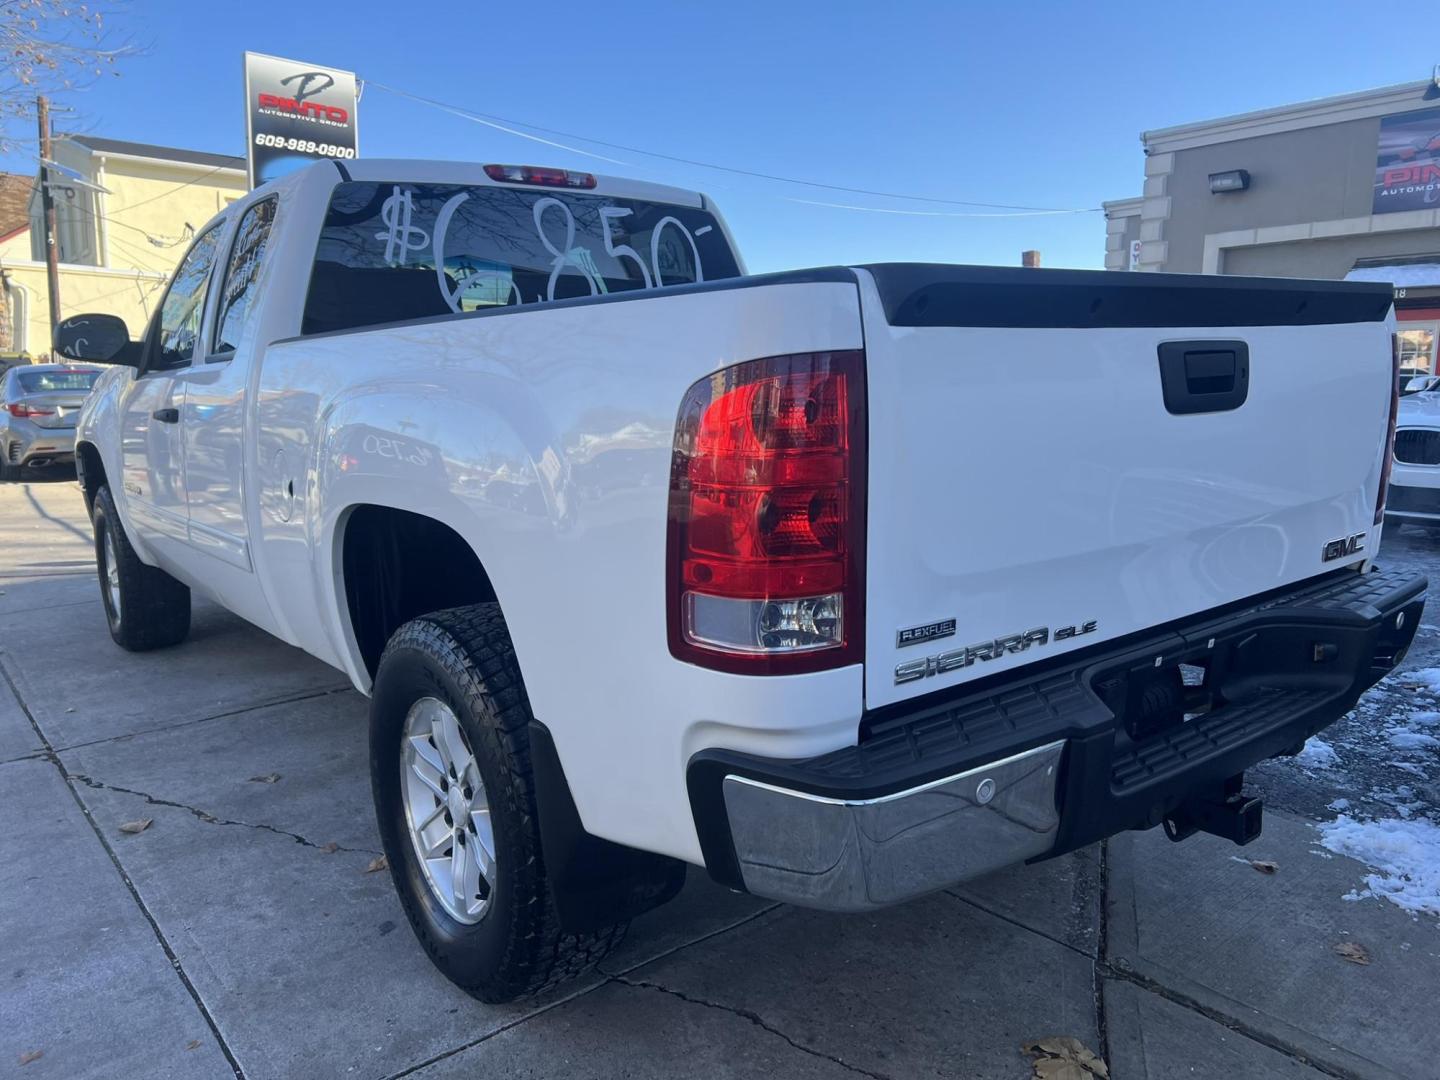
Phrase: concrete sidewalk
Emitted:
{"points": [[241, 933]]}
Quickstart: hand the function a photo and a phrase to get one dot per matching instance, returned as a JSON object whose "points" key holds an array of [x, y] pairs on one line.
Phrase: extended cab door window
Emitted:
{"points": [[237, 289], [177, 331], [395, 251]]}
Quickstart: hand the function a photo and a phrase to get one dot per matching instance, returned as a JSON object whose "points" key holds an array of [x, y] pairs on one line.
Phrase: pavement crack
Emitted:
{"points": [[1119, 969], [169, 950], [727, 928], [1122, 971], [227, 714], [212, 819], [1102, 943], [754, 1018], [1037, 931]]}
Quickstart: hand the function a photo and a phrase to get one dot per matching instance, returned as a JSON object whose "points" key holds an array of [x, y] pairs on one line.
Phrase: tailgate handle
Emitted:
{"points": [[1204, 376]]}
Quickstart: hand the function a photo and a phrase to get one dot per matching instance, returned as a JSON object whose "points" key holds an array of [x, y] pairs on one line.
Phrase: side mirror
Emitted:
{"points": [[1419, 383], [102, 339]]}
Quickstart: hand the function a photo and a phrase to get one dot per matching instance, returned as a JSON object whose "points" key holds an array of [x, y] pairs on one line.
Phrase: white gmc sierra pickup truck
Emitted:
{"points": [[844, 584]]}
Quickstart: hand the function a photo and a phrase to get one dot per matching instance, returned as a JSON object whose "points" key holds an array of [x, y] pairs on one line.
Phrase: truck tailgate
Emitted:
{"points": [[1031, 490]]}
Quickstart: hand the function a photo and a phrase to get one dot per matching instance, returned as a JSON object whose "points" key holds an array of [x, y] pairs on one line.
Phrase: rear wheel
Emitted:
{"points": [[455, 801], [145, 607]]}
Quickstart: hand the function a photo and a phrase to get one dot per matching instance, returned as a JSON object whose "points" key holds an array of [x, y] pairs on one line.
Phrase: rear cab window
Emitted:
{"points": [[395, 251], [43, 382]]}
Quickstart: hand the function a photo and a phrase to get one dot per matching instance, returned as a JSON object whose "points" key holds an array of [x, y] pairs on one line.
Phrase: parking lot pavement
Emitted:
{"points": [[242, 931]]}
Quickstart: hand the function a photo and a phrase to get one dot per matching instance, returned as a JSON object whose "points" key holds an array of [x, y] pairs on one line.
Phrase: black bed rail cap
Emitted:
{"points": [[938, 294]]}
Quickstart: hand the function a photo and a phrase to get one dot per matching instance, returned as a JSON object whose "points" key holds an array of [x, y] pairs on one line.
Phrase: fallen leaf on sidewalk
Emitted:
{"points": [[1264, 867], [331, 848], [31, 1055], [378, 863], [136, 826], [1062, 1057], [193, 1044], [1352, 951], [268, 778]]}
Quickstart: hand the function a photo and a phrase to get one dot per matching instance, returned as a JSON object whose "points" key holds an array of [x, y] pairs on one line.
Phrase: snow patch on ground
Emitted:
{"points": [[1413, 740], [1318, 754], [1403, 766], [1405, 855], [1428, 677]]}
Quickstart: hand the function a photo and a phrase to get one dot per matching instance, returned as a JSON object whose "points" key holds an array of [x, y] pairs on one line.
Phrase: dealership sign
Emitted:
{"points": [[294, 114], [1407, 165]]}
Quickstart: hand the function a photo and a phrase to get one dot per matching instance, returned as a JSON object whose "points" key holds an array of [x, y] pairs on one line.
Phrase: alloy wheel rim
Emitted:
{"points": [[447, 813], [112, 574]]}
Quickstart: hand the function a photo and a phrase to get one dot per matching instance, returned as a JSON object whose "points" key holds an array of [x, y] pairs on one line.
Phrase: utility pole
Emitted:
{"points": [[52, 246]]}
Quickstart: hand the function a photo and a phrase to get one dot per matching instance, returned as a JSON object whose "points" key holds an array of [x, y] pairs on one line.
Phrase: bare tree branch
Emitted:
{"points": [[51, 47]]}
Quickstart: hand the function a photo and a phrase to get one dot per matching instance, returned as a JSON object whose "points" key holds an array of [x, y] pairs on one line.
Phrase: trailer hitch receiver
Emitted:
{"points": [[1232, 816]]}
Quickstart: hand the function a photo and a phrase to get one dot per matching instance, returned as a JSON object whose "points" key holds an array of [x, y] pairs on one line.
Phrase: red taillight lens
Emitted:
{"points": [[767, 516], [534, 174], [1390, 432], [24, 411]]}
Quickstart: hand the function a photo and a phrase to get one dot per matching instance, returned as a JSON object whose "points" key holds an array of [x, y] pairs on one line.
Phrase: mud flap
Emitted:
{"points": [[594, 883]]}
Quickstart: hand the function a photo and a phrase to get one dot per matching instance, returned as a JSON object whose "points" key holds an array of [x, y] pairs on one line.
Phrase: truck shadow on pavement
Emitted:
{"points": [[252, 916]]}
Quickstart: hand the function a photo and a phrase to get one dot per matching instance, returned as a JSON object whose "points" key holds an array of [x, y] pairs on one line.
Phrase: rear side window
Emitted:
{"points": [[391, 251], [237, 295], [185, 302]]}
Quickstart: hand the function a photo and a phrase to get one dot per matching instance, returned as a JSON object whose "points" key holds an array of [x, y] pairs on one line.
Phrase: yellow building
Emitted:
{"points": [[118, 244]]}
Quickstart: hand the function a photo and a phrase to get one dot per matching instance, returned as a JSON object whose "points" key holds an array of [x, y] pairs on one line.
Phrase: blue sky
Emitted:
{"points": [[1034, 104]]}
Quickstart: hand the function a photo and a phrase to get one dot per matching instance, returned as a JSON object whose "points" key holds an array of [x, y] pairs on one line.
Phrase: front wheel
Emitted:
{"points": [[455, 802], [145, 607]]}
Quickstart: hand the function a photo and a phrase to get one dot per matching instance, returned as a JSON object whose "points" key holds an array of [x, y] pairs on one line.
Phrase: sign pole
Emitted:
{"points": [[47, 204]]}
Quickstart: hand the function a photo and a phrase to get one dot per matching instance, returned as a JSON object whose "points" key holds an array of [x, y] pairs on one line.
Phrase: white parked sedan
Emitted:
{"points": [[1415, 477]]}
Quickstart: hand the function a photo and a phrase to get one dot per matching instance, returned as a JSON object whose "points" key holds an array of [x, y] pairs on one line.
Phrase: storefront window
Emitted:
{"points": [[1417, 347]]}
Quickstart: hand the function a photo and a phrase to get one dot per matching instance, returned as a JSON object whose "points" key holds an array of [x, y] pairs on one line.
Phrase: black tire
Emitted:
{"points": [[154, 608], [11, 474], [463, 657]]}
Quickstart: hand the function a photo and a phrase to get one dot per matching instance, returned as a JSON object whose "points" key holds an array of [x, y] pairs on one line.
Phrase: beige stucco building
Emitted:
{"points": [[117, 245]]}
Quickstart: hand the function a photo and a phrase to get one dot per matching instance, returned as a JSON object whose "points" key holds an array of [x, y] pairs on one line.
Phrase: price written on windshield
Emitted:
{"points": [[554, 224]]}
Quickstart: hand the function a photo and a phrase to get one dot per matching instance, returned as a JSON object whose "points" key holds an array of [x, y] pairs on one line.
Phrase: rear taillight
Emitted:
{"points": [[535, 174], [24, 411], [767, 516], [1390, 431]]}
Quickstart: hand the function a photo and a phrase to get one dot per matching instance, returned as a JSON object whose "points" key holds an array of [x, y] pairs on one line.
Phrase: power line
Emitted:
{"points": [[155, 241], [169, 191], [136, 283], [499, 123], [140, 258]]}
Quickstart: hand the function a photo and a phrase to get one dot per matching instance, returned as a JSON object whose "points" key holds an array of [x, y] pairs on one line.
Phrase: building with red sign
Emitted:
{"points": [[1343, 187]]}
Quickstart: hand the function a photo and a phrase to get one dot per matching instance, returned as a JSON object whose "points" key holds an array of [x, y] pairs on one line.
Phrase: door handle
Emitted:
{"points": [[166, 416]]}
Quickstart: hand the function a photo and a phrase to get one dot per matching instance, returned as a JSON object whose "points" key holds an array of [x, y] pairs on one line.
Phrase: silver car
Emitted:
{"points": [[39, 405]]}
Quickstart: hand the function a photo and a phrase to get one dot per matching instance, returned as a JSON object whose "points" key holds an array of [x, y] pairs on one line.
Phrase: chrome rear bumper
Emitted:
{"points": [[855, 855], [1057, 755]]}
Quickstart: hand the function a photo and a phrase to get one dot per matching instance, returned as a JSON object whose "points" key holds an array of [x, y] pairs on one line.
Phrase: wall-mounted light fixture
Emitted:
{"points": [[1234, 180]]}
